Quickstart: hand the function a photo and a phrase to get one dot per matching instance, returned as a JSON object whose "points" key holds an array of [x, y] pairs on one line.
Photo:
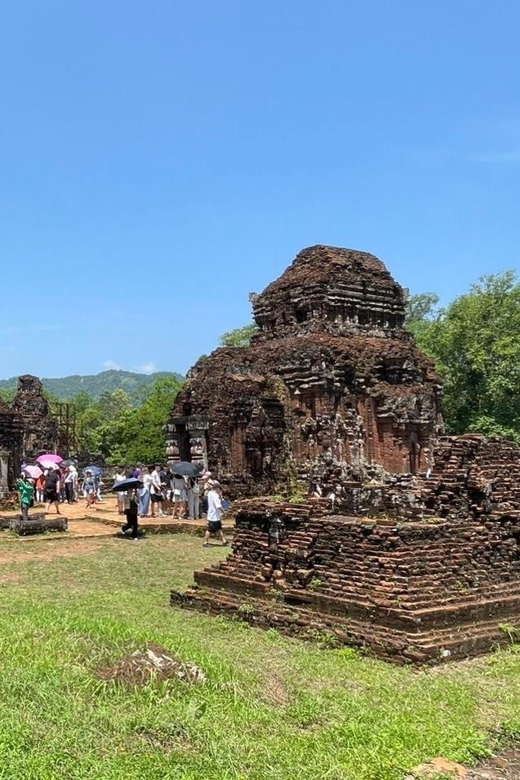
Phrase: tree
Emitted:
{"points": [[421, 309], [475, 342], [82, 401], [240, 337], [113, 404], [137, 434]]}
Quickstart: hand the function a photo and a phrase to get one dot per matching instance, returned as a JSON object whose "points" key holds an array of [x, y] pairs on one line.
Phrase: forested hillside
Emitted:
{"points": [[95, 385]]}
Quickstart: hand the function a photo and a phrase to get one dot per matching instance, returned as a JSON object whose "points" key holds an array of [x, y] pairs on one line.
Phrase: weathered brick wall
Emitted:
{"points": [[471, 478], [40, 428], [402, 564], [10, 446]]}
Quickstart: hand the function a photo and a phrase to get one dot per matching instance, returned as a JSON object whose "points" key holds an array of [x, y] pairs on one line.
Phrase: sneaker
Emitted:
{"points": [[206, 544]]}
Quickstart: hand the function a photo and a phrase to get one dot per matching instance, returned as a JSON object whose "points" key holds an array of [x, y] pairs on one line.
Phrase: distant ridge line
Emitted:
{"points": [[95, 385]]}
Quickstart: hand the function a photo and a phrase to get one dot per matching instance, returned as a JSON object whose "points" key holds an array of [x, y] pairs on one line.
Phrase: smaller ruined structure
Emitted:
{"points": [[413, 549], [27, 428], [11, 437], [434, 582], [40, 428]]}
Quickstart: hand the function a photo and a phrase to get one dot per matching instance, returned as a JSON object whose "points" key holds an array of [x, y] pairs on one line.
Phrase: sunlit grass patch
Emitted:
{"points": [[271, 707]]}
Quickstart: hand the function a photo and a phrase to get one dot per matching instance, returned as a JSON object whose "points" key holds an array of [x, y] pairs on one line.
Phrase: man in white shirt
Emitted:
{"points": [[215, 514], [71, 479]]}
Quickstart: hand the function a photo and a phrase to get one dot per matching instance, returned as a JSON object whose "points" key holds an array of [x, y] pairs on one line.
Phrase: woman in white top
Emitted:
{"points": [[194, 491], [179, 496], [120, 477]]}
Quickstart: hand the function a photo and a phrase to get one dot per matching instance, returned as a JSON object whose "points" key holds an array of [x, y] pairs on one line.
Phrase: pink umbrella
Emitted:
{"points": [[49, 458], [48, 464], [33, 471]]}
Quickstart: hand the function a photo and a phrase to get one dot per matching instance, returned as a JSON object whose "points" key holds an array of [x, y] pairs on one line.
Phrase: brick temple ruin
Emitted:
{"points": [[332, 377], [27, 428], [409, 545]]}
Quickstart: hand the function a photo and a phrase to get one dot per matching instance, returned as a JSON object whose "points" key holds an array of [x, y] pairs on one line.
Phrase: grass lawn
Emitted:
{"points": [[272, 709]]}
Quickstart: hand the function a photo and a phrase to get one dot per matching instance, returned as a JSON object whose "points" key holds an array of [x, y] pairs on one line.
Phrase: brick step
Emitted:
{"points": [[396, 645]]}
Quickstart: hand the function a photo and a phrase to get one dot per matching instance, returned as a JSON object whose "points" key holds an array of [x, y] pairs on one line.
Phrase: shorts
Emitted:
{"points": [[157, 497], [51, 495], [214, 526]]}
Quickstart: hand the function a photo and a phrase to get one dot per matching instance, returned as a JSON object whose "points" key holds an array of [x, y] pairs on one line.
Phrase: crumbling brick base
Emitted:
{"points": [[410, 592]]}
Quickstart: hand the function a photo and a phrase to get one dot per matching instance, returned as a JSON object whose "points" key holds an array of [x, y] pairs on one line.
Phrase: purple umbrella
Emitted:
{"points": [[49, 458]]}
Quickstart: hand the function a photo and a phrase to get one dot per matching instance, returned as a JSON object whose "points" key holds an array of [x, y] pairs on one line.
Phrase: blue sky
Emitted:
{"points": [[160, 160]]}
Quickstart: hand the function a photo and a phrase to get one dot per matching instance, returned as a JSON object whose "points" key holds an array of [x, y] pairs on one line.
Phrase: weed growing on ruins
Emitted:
{"points": [[271, 708], [512, 632], [246, 609], [324, 639]]}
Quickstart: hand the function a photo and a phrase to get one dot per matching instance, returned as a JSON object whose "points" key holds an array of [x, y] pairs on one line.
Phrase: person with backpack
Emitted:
{"points": [[52, 490], [25, 488]]}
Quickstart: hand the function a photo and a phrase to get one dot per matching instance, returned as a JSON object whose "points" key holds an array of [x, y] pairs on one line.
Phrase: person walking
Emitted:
{"points": [[215, 513], [52, 490], [144, 493], [69, 485], [131, 513], [25, 488], [89, 486], [120, 477]]}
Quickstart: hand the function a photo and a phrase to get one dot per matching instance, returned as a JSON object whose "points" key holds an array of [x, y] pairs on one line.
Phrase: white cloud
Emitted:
{"points": [[146, 368], [111, 365]]}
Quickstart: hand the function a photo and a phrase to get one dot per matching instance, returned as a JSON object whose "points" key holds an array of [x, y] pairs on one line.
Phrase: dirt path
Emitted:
{"points": [[49, 551], [506, 766]]}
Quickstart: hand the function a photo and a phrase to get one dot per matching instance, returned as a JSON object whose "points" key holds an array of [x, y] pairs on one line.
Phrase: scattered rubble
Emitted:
{"points": [[141, 667], [505, 766]]}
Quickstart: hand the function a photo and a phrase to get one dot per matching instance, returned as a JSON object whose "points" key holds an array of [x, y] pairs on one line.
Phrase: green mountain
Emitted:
{"points": [[97, 384]]}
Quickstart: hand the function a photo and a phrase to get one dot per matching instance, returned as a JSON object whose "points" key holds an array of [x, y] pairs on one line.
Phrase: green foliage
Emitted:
{"points": [[112, 430], [421, 309], [96, 385], [475, 342], [7, 394], [240, 337]]}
